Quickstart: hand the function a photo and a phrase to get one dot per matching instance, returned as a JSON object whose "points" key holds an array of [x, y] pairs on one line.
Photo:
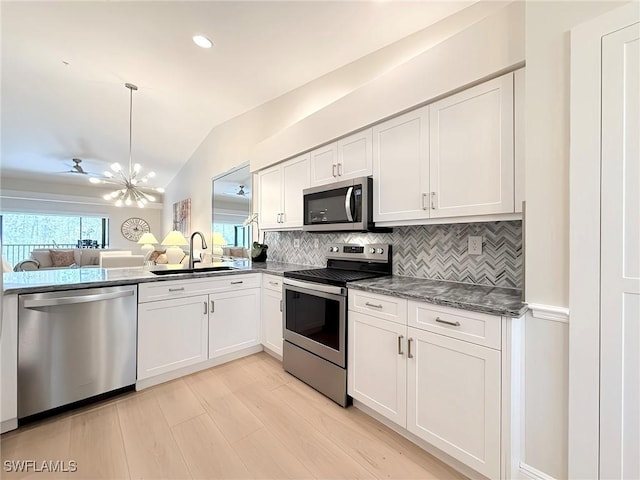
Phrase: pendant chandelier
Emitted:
{"points": [[129, 188]]}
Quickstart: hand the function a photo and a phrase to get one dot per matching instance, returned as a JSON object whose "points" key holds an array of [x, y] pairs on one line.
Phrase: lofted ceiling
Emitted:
{"points": [[64, 65]]}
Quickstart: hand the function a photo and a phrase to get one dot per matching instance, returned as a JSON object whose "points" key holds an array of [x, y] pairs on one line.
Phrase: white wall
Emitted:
{"points": [[300, 111], [23, 196], [547, 225]]}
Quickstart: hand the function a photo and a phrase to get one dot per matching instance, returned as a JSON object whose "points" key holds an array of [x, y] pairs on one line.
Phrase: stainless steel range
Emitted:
{"points": [[315, 315]]}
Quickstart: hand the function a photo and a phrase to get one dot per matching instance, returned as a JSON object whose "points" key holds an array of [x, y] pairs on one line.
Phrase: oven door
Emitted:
{"points": [[315, 319]]}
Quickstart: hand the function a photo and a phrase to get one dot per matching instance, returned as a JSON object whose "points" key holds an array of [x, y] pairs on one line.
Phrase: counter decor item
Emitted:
{"points": [[258, 249], [259, 252]]}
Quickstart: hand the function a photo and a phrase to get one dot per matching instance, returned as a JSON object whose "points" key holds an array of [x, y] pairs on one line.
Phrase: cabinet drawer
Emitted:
{"points": [[150, 292], [381, 306], [478, 328], [272, 282]]}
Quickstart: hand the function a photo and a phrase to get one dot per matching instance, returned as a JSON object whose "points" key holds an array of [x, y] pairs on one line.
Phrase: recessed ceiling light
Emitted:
{"points": [[202, 41]]}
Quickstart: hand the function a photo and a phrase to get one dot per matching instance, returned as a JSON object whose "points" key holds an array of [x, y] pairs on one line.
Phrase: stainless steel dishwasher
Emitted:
{"points": [[73, 345]]}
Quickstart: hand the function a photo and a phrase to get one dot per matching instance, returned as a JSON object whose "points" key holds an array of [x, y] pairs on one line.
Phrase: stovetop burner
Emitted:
{"points": [[348, 263], [331, 276]]}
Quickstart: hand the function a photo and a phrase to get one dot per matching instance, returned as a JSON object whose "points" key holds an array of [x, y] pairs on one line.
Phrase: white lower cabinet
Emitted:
{"points": [[377, 373], [272, 313], [453, 398], [172, 334], [234, 321], [444, 390], [189, 322]]}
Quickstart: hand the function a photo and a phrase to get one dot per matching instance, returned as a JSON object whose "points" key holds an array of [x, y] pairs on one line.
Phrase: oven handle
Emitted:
{"points": [[315, 287], [347, 203]]}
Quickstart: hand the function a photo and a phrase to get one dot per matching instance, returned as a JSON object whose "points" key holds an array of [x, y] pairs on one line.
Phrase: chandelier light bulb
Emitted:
{"points": [[160, 190], [127, 202], [151, 174], [118, 203], [95, 180], [107, 174], [151, 198], [107, 196], [140, 204], [116, 167], [137, 167]]}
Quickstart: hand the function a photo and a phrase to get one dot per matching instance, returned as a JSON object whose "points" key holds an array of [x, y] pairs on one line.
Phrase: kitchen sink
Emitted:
{"points": [[192, 270]]}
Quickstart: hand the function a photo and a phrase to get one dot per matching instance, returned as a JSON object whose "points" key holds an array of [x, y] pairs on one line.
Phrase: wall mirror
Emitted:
{"points": [[231, 197]]}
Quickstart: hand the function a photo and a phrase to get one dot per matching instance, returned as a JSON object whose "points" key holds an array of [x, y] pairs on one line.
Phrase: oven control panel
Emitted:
{"points": [[378, 252]]}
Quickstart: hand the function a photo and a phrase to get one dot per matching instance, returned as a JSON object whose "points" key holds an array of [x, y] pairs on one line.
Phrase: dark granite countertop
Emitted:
{"points": [[72, 278], [477, 298]]}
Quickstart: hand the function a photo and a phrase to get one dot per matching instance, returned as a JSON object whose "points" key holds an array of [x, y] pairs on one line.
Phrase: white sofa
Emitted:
{"points": [[82, 257]]}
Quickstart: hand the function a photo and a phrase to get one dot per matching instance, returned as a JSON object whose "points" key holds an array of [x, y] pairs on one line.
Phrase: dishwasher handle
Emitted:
{"points": [[54, 302]]}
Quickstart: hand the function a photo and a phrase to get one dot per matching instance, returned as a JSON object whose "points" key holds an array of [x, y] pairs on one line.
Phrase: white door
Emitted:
{"points": [[272, 320], [172, 334], [620, 256], [355, 155], [324, 164], [401, 167], [377, 360], [295, 178], [453, 398], [270, 197], [234, 321], [471, 144]]}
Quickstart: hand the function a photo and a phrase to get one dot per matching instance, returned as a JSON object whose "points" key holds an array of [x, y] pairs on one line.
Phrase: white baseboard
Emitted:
{"points": [[528, 472], [549, 312], [8, 425]]}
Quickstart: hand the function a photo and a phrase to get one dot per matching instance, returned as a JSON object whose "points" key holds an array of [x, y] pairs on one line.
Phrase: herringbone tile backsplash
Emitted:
{"points": [[428, 251]]}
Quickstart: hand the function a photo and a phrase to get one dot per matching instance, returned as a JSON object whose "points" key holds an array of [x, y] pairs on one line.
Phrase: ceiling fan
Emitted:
{"points": [[241, 191], [77, 168]]}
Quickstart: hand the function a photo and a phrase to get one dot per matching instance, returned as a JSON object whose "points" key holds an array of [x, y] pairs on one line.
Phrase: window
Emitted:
{"points": [[21, 233]]}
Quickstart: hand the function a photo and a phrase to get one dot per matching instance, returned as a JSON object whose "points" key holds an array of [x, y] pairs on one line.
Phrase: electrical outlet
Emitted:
{"points": [[474, 245], [316, 243], [296, 243]]}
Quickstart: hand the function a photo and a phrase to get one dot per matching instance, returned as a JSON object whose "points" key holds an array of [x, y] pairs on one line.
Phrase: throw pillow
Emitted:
{"points": [[62, 258], [155, 254]]}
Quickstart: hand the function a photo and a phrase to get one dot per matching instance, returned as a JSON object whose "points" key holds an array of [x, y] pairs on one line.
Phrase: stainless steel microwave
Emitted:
{"points": [[340, 206]]}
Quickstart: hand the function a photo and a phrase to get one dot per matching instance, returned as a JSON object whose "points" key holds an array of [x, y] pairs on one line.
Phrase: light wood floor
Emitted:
{"points": [[245, 419]]}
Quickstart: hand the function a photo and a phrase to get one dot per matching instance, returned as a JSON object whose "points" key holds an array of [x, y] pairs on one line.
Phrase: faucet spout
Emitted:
{"points": [[192, 261]]}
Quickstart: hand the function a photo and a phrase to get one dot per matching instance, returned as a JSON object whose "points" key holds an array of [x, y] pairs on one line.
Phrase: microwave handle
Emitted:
{"points": [[347, 203]]}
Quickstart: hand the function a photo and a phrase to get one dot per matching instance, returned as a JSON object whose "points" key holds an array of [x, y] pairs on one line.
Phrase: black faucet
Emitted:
{"points": [[192, 261]]}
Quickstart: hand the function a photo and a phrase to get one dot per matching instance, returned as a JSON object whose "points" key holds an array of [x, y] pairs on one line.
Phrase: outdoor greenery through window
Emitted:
{"points": [[23, 232]]}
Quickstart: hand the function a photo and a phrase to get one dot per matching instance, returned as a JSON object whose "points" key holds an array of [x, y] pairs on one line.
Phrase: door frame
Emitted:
{"points": [[584, 239]]}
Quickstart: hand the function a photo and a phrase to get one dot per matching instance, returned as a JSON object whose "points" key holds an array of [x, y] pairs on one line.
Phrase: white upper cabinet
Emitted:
{"points": [[295, 178], [401, 167], [280, 194], [349, 157], [324, 164], [355, 155], [471, 151], [270, 197]]}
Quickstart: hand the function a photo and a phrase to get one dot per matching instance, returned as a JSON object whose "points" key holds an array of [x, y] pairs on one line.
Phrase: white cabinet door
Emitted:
{"points": [[471, 144], [454, 398], [295, 178], [171, 334], [234, 321], [270, 197], [9, 364], [355, 155], [324, 164], [377, 372], [401, 167], [272, 320], [620, 257]]}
